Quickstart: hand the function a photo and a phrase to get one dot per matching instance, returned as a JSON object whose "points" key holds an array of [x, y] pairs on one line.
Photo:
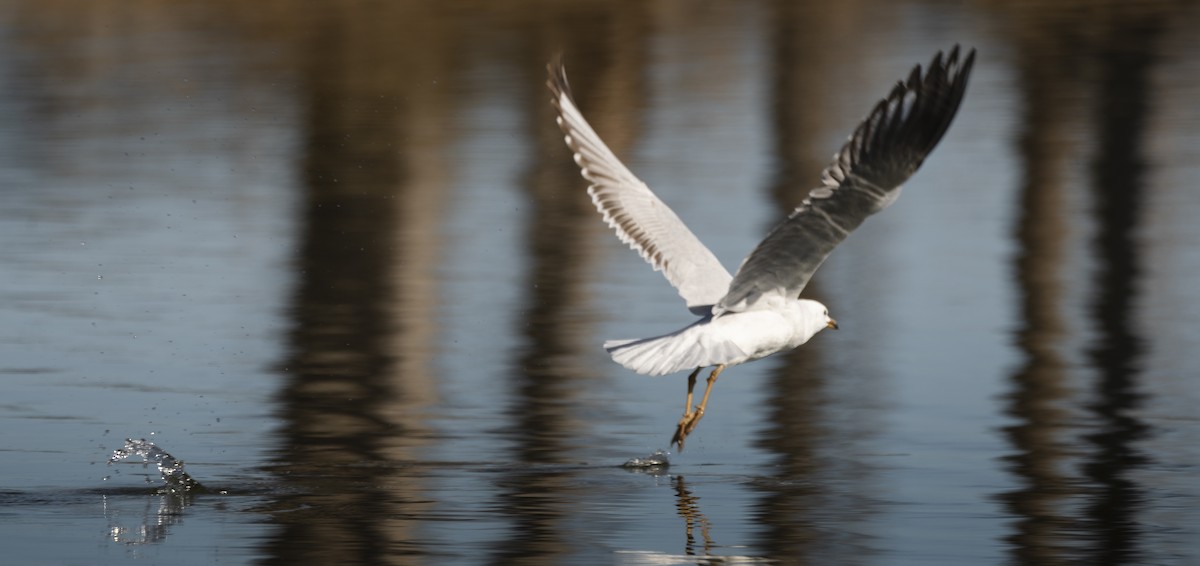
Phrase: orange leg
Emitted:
{"points": [[692, 418], [687, 405], [687, 411]]}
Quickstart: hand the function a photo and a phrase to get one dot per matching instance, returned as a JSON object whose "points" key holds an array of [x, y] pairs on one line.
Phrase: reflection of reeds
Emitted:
{"points": [[1063, 51], [808, 78], [1122, 113], [548, 380], [1038, 389], [377, 114]]}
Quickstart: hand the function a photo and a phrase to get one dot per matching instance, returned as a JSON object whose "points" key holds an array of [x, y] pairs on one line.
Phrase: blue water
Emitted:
{"points": [[337, 262]]}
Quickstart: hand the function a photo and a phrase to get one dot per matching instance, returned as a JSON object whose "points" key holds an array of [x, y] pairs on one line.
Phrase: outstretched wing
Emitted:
{"points": [[864, 178], [634, 212]]}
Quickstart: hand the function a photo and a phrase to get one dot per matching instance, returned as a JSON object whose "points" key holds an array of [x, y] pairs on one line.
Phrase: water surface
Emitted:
{"points": [[338, 261]]}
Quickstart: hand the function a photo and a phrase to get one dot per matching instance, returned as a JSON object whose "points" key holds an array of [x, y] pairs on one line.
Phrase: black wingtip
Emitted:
{"points": [[954, 71], [905, 126]]}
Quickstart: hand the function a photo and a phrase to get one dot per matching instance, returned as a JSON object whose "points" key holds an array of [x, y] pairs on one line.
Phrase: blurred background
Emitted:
{"points": [[334, 256]]}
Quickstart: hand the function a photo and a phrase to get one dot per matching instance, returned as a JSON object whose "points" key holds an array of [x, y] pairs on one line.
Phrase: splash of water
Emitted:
{"points": [[655, 462], [175, 479]]}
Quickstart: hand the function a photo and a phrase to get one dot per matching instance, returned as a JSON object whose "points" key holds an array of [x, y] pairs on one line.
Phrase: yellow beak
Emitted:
{"points": [[831, 324]]}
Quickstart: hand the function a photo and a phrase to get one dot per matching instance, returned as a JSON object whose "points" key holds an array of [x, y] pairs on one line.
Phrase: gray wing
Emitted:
{"points": [[634, 212], [864, 178]]}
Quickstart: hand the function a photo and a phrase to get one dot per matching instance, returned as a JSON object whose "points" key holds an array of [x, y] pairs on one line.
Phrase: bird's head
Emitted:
{"points": [[817, 315]]}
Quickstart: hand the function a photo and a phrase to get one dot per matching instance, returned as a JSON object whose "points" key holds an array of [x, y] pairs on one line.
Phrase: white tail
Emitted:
{"points": [[684, 349]]}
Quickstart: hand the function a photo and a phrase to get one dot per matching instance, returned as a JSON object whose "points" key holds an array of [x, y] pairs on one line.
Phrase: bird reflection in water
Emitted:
{"points": [[688, 506]]}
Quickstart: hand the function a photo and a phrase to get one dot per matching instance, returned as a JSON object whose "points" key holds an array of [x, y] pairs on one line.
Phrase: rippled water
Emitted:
{"points": [[337, 262]]}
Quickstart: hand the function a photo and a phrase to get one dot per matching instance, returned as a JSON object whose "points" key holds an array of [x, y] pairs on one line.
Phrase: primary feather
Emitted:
{"points": [[637, 215], [864, 178]]}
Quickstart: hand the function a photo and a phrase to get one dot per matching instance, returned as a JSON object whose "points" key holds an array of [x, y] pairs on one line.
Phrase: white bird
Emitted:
{"points": [[758, 311]]}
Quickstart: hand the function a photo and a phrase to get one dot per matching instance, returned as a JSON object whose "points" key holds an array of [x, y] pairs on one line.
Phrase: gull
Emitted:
{"points": [[758, 311]]}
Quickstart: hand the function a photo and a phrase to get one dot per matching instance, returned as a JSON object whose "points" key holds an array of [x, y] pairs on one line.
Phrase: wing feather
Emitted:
{"points": [[638, 216], [864, 178]]}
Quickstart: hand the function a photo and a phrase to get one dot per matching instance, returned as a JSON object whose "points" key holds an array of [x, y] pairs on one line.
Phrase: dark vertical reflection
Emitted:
{"points": [[356, 378], [1048, 76], [548, 416], [1126, 61], [1063, 519], [792, 419], [795, 505]]}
